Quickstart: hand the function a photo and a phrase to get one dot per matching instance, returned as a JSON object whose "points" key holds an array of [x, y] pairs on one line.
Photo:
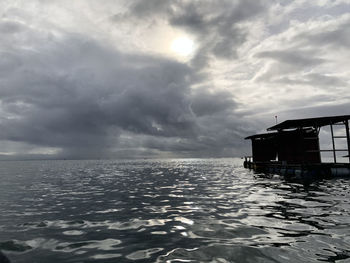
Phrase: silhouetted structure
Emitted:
{"points": [[293, 148], [3, 258]]}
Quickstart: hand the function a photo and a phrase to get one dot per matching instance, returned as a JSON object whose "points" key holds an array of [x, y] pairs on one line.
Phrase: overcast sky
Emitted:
{"points": [[158, 78]]}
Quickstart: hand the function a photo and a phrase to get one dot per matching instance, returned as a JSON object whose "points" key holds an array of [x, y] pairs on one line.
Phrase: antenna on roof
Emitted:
{"points": [[276, 118]]}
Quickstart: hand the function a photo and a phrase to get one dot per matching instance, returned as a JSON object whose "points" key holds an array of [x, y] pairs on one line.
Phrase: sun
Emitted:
{"points": [[182, 46]]}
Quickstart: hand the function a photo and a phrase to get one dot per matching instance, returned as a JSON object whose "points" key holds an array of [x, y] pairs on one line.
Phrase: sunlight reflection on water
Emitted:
{"points": [[198, 210]]}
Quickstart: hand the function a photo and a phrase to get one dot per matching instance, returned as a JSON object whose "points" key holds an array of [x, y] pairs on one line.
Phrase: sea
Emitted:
{"points": [[171, 210]]}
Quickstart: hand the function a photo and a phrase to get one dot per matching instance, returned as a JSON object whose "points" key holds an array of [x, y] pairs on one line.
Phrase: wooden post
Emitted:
{"points": [[347, 136], [318, 143], [334, 155]]}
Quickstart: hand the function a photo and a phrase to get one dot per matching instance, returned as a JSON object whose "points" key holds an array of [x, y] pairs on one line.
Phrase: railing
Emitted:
{"points": [[334, 150]]}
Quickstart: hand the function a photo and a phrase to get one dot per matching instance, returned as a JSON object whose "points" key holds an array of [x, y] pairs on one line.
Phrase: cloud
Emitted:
{"points": [[293, 57], [80, 96], [315, 79], [332, 33], [306, 60], [205, 102], [10, 27], [103, 83], [218, 27]]}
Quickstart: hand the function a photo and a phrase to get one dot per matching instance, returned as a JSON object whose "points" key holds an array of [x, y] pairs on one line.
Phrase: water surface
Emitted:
{"points": [[194, 210]]}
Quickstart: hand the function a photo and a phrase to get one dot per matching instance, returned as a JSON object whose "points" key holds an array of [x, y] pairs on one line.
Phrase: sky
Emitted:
{"points": [[92, 79]]}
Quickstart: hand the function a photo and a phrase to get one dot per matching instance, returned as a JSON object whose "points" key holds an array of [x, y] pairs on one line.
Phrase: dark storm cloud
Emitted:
{"points": [[220, 135], [205, 102], [80, 96]]}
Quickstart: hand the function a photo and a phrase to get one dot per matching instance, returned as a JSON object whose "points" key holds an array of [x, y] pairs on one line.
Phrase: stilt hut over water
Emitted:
{"points": [[293, 148]]}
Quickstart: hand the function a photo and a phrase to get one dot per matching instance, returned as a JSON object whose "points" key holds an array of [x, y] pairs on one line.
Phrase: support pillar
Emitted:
{"points": [[334, 154], [347, 136]]}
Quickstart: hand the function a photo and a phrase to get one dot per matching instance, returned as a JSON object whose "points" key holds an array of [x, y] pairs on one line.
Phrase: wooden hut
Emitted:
{"points": [[293, 147]]}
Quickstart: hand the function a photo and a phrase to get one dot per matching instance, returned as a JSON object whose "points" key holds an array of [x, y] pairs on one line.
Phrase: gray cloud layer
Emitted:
{"points": [[75, 94], [79, 95]]}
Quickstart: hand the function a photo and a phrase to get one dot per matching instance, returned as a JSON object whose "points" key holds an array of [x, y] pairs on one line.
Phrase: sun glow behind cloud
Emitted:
{"points": [[183, 46]]}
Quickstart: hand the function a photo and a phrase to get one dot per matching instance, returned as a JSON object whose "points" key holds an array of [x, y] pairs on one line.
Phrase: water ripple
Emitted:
{"points": [[194, 210]]}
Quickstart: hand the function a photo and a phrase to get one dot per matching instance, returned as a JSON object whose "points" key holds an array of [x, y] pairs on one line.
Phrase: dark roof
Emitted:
{"points": [[310, 122], [261, 135]]}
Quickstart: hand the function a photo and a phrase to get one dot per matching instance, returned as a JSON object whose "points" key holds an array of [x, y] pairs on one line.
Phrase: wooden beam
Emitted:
{"points": [[336, 150], [347, 136], [334, 155]]}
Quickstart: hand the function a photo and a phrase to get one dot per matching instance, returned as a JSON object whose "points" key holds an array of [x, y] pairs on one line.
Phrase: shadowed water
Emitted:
{"points": [[198, 210]]}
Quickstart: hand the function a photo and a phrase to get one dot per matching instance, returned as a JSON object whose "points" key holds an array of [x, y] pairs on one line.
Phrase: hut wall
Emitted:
{"points": [[311, 147], [299, 146], [264, 149]]}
